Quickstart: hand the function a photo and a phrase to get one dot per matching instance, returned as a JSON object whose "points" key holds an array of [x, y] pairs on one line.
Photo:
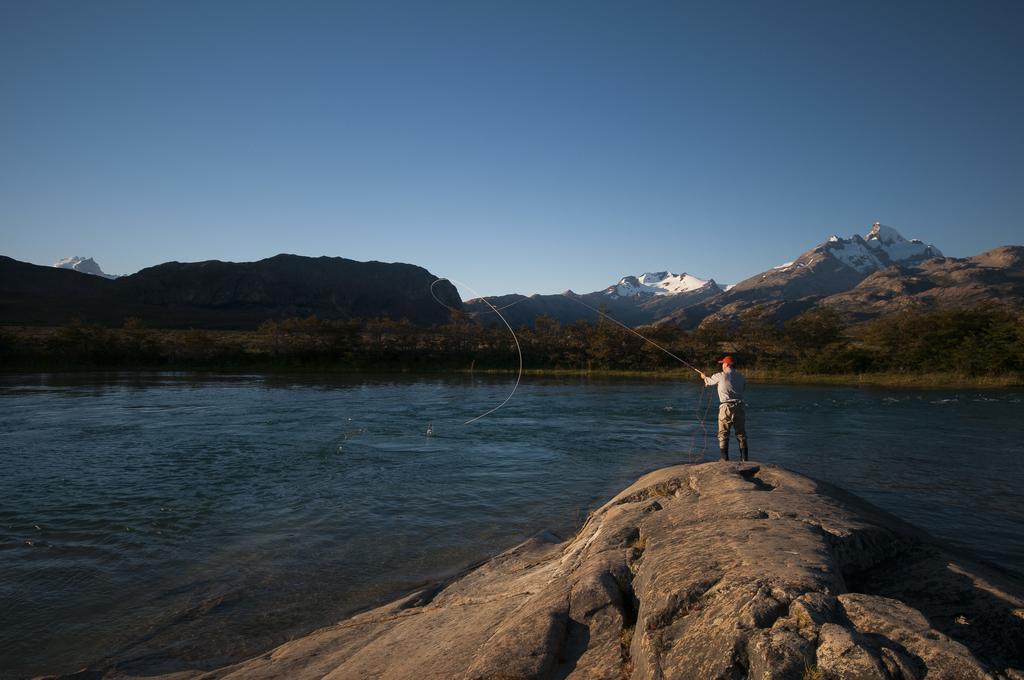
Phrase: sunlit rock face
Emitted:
{"points": [[718, 570]]}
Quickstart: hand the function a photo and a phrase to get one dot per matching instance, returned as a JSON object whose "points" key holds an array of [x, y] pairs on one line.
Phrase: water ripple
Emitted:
{"points": [[217, 516]]}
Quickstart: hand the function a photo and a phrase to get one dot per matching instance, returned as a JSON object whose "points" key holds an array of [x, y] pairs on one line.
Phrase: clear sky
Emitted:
{"points": [[514, 146]]}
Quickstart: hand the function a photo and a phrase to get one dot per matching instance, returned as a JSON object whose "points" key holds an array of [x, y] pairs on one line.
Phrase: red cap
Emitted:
{"points": [[727, 361]]}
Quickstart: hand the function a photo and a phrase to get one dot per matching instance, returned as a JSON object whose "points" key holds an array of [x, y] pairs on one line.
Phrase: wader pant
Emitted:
{"points": [[732, 414]]}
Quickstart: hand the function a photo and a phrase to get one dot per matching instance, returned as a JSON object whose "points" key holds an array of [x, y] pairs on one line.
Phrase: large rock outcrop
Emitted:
{"points": [[719, 570]]}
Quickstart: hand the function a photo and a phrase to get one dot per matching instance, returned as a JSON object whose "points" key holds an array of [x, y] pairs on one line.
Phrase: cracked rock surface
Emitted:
{"points": [[718, 570]]}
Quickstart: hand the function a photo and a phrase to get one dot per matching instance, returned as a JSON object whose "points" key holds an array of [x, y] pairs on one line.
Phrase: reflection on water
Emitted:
{"points": [[179, 521]]}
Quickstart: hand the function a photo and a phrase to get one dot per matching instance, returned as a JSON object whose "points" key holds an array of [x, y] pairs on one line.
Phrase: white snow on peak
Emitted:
{"points": [[656, 283], [897, 248], [881, 247], [855, 253], [883, 234], [85, 265], [784, 265]]}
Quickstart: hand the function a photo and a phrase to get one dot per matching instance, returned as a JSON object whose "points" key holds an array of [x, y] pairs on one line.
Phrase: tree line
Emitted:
{"points": [[816, 342]]}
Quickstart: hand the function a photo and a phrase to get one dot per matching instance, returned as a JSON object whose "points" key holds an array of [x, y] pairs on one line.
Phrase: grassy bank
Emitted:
{"points": [[949, 380], [781, 376], [776, 376]]}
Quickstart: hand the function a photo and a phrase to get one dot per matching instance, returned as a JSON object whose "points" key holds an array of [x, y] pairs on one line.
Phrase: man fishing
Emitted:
{"points": [[731, 413]]}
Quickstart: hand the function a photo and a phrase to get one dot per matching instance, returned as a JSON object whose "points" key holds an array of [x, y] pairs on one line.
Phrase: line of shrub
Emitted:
{"points": [[969, 342]]}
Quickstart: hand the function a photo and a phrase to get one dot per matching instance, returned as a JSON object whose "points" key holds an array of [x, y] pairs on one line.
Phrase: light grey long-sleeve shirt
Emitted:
{"points": [[731, 384]]}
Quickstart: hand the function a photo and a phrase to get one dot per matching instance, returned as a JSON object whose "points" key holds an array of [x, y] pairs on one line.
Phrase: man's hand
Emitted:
{"points": [[702, 376]]}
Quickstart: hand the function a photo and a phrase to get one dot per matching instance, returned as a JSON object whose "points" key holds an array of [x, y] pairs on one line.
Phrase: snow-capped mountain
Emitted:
{"points": [[882, 247], [86, 265], [839, 264], [834, 266], [657, 283]]}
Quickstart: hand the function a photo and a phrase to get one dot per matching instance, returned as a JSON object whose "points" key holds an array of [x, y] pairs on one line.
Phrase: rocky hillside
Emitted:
{"points": [[995, 277], [216, 294], [711, 571]]}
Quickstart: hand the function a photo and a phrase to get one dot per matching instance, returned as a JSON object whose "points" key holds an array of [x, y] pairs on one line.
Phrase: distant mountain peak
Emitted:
{"points": [[85, 265], [657, 283], [881, 247], [884, 234]]}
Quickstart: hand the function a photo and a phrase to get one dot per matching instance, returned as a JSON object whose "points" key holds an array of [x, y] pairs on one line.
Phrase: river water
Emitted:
{"points": [[171, 521]]}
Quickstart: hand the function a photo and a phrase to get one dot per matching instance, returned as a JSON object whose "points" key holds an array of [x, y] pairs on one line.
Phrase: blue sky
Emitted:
{"points": [[517, 147]]}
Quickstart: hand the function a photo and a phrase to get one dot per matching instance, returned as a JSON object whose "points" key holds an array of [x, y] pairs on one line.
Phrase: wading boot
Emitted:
{"points": [[743, 454], [725, 452]]}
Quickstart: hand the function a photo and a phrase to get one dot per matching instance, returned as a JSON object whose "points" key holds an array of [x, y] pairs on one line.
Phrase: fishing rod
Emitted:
{"points": [[684, 362]]}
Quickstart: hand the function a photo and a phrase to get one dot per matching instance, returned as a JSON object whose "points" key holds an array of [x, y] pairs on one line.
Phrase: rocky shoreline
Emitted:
{"points": [[717, 570]]}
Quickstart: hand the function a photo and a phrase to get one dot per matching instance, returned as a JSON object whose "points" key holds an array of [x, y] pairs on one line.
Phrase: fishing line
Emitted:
{"points": [[494, 309], [484, 311], [702, 418], [511, 304]]}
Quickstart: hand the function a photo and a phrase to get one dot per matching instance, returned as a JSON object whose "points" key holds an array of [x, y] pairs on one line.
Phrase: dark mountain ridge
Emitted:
{"points": [[215, 294]]}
